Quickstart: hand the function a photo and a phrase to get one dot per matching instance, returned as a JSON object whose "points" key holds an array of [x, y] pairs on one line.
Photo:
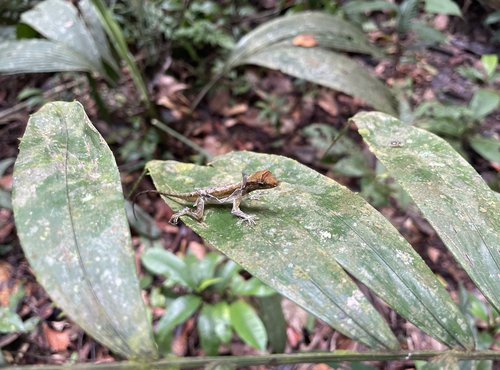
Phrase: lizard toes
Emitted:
{"points": [[249, 220]]}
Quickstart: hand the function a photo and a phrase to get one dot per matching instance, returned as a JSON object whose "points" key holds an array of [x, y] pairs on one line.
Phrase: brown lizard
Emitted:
{"points": [[223, 194]]}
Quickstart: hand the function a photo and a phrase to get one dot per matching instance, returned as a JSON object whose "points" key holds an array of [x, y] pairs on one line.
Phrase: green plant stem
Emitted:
{"points": [[205, 90], [118, 40], [94, 91], [181, 138], [136, 183], [280, 359], [334, 141]]}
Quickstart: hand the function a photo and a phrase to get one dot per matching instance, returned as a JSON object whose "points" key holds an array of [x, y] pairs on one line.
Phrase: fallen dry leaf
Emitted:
{"points": [[6, 182], [219, 101], [320, 367], [440, 22], [197, 249], [327, 102], [230, 122], [293, 337], [234, 110], [305, 41], [5, 282], [168, 85], [496, 166], [287, 125], [57, 340], [216, 147], [181, 337]]}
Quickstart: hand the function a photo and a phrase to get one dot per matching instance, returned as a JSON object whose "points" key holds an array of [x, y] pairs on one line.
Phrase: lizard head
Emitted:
{"points": [[262, 180]]}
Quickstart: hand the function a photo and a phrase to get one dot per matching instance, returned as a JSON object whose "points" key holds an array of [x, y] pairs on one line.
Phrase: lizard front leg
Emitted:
{"points": [[239, 213], [197, 214]]}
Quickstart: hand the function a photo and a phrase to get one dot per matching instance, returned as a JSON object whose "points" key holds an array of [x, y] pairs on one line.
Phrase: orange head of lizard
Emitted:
{"points": [[262, 180]]}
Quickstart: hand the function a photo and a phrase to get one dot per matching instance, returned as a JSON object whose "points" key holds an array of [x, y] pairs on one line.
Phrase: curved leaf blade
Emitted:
{"points": [[484, 102], [162, 262], [178, 311], [273, 250], [328, 30], [96, 29], [70, 218], [271, 313], [222, 321], [248, 325], [335, 225], [326, 68], [28, 56], [487, 147], [209, 341], [449, 192], [58, 21]]}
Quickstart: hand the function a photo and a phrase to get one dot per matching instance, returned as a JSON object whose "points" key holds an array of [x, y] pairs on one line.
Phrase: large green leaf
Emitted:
{"points": [[206, 329], [307, 225], [488, 147], [484, 102], [273, 45], [271, 314], [160, 261], [70, 218], [248, 325], [329, 31], [326, 68], [448, 191], [96, 29], [74, 42], [58, 20], [178, 311], [269, 250], [28, 56]]}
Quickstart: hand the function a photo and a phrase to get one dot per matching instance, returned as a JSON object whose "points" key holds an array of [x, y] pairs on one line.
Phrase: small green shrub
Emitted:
{"points": [[213, 289]]}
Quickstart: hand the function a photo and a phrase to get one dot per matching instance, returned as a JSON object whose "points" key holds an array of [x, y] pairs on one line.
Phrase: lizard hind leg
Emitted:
{"points": [[197, 213], [250, 219]]}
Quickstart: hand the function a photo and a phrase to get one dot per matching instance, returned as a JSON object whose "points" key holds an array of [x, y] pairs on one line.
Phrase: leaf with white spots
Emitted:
{"points": [[58, 21], [275, 45], [70, 218], [71, 45], [308, 227], [321, 28], [453, 197], [326, 68]]}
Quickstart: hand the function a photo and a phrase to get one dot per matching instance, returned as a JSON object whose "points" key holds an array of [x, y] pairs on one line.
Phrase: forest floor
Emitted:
{"points": [[220, 124]]}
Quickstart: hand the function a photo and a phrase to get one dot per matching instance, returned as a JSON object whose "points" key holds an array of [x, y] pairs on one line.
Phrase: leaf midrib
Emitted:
{"points": [[81, 263]]}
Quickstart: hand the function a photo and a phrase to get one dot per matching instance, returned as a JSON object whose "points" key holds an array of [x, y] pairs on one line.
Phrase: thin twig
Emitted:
{"points": [[46, 94], [341, 133], [181, 138]]}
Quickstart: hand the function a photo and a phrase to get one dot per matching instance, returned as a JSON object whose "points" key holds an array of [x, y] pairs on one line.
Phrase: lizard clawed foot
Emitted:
{"points": [[197, 214], [250, 220]]}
